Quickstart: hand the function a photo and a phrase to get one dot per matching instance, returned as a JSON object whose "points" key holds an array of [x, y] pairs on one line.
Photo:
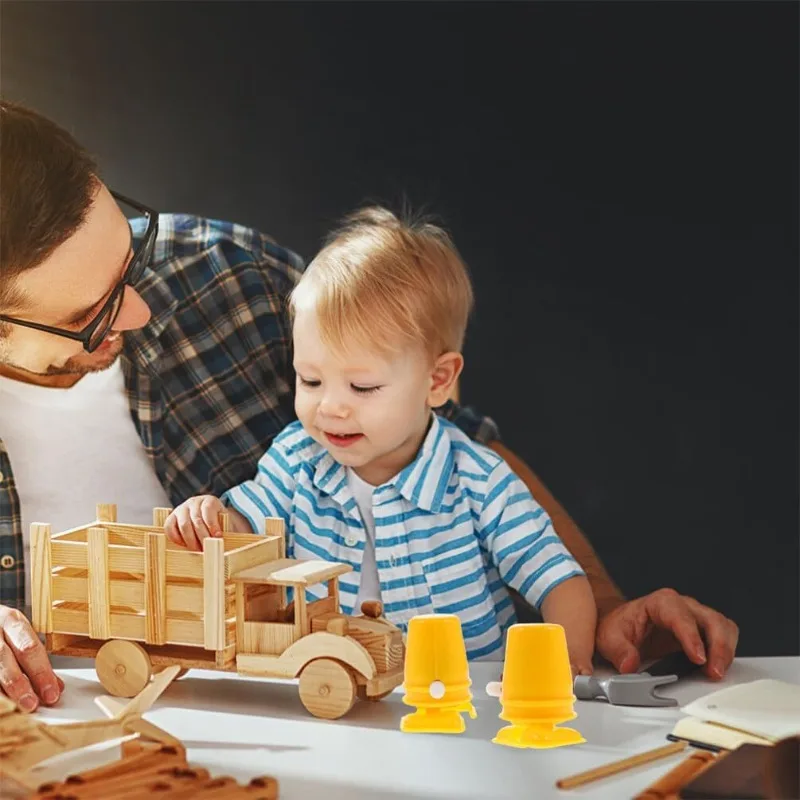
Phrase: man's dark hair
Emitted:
{"points": [[47, 183]]}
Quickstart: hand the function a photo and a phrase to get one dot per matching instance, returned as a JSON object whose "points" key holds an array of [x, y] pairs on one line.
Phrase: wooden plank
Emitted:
{"points": [[69, 554], [160, 516], [131, 539], [292, 572], [184, 598], [125, 558], [300, 613], [70, 621], [72, 535], [99, 595], [131, 594], [333, 593], [155, 588], [251, 555], [271, 638], [213, 593], [233, 541], [188, 632], [275, 526], [106, 512], [240, 612], [41, 578], [184, 564], [126, 593]]}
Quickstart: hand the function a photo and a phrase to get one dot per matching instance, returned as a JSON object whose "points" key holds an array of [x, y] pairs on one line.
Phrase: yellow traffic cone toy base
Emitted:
{"points": [[434, 720], [436, 676], [539, 737], [536, 690]]}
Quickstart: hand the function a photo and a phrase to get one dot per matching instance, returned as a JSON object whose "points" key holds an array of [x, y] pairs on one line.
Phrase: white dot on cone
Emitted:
{"points": [[437, 690]]}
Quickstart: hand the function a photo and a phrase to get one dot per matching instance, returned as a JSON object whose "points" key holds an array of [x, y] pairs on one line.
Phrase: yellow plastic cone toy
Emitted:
{"points": [[536, 691], [436, 676]]}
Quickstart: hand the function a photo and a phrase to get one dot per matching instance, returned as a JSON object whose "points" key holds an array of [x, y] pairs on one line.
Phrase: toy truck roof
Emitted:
{"points": [[291, 572]]}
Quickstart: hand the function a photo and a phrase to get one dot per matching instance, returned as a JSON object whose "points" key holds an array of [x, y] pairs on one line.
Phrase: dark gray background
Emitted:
{"points": [[621, 178]]}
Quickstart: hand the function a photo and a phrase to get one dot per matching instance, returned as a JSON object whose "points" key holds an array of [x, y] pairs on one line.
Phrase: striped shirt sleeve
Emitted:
{"points": [[269, 494], [520, 539]]}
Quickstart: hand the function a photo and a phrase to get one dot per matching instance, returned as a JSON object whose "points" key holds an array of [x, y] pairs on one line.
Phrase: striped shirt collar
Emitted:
{"points": [[422, 483]]}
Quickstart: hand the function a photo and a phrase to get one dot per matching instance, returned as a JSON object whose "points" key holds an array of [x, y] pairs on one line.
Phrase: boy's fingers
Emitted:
{"points": [[186, 528], [209, 510], [200, 529], [171, 529]]}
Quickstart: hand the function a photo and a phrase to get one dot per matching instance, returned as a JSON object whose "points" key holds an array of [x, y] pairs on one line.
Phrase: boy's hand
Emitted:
{"points": [[194, 520]]}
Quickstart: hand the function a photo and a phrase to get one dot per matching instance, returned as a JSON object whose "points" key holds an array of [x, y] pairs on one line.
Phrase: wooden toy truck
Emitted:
{"points": [[130, 598]]}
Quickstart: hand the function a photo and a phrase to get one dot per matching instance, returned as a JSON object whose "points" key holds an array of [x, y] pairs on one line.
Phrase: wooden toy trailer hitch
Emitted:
{"points": [[130, 598]]}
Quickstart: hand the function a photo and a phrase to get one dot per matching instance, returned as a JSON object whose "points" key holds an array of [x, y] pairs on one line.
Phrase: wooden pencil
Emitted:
{"points": [[620, 766]]}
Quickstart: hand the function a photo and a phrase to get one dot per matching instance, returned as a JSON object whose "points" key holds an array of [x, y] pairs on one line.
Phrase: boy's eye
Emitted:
{"points": [[310, 383], [364, 389]]}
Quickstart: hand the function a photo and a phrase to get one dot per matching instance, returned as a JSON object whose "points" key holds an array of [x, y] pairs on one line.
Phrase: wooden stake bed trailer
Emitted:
{"points": [[130, 598]]}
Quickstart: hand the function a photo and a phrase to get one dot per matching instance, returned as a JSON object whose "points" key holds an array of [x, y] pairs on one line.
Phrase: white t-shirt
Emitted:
{"points": [[73, 448], [369, 587]]}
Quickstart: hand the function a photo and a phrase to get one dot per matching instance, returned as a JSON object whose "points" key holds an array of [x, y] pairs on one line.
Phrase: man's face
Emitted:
{"points": [[370, 412], [68, 289]]}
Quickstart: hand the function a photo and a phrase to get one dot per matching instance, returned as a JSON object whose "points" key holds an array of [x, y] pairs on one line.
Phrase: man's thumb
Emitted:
{"points": [[620, 651]]}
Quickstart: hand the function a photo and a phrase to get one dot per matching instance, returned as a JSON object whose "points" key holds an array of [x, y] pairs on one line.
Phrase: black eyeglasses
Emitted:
{"points": [[92, 335]]}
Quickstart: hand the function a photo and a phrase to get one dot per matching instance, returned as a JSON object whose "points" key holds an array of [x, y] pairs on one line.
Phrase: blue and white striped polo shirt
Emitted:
{"points": [[451, 530]]}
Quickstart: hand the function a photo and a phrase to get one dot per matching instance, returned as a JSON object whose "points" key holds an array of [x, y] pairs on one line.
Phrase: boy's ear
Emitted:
{"points": [[444, 374]]}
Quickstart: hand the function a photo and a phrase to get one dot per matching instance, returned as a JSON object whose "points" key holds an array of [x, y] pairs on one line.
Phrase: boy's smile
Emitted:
{"points": [[343, 439]]}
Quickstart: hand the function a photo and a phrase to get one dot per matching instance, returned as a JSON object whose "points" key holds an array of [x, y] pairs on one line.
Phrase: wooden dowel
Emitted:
{"points": [[620, 766], [678, 777]]}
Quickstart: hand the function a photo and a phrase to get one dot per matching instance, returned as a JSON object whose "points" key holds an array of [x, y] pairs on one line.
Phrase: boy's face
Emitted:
{"points": [[371, 412], [65, 290]]}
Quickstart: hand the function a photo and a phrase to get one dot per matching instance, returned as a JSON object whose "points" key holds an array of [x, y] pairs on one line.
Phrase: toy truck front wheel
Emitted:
{"points": [[327, 688]]}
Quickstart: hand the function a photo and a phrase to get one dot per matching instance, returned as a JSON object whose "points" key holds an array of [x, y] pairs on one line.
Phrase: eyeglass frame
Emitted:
{"points": [[132, 273]]}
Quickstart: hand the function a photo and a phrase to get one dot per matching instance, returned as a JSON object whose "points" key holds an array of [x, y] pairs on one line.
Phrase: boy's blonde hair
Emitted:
{"points": [[386, 283]]}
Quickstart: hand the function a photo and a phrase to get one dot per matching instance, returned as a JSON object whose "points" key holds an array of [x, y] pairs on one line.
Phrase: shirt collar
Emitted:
{"points": [[422, 483]]}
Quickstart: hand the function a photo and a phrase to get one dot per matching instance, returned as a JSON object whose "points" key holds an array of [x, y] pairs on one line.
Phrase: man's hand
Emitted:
{"points": [[25, 672], [666, 621]]}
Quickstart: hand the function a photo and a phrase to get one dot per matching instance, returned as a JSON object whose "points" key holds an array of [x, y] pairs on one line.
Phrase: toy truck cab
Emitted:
{"points": [[337, 657]]}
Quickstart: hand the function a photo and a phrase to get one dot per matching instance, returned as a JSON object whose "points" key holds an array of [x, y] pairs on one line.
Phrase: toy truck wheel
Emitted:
{"points": [[327, 688], [123, 667]]}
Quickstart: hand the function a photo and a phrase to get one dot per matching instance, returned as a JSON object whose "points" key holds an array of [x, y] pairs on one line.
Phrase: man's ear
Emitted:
{"points": [[444, 374]]}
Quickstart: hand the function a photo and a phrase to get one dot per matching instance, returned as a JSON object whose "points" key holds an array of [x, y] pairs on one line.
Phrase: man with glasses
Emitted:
{"points": [[143, 362]]}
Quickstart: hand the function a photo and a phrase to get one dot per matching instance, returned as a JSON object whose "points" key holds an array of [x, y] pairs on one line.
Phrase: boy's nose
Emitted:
{"points": [[331, 407]]}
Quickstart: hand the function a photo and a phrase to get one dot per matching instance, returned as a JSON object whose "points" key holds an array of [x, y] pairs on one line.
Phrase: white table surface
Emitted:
{"points": [[245, 727]]}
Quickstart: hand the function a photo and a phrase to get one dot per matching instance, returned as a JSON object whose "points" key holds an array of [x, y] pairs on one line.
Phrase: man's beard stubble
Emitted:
{"points": [[84, 363], [81, 364]]}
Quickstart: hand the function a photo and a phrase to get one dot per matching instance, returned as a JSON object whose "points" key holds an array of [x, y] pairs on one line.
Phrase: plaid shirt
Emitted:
{"points": [[209, 379]]}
